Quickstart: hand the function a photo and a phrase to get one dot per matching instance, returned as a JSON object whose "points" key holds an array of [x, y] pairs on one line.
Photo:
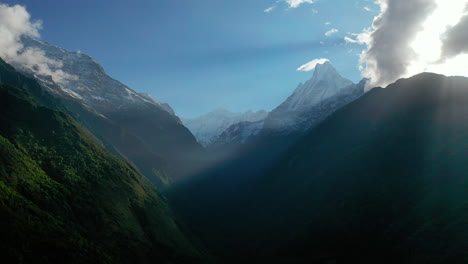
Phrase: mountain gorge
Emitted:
{"points": [[92, 170], [142, 149]]}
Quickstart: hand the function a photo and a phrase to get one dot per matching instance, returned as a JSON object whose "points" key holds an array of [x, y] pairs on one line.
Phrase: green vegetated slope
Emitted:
{"points": [[65, 199], [383, 180], [151, 158]]}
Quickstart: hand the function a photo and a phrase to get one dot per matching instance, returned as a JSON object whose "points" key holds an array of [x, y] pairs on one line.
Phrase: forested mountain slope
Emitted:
{"points": [[65, 199]]}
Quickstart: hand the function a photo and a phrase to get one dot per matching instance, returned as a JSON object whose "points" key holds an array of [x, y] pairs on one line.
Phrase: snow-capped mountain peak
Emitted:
{"points": [[325, 71], [90, 84], [325, 83], [313, 100]]}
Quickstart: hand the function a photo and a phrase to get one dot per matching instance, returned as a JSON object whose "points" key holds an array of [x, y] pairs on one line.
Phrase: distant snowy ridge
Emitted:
{"points": [[239, 133], [208, 128]]}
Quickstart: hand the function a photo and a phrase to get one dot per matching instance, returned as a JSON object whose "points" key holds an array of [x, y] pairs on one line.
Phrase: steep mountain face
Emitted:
{"points": [[89, 83], [65, 199], [313, 101], [208, 128], [132, 125], [384, 179]]}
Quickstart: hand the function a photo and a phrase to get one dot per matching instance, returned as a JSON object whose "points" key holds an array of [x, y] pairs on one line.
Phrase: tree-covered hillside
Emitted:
{"points": [[65, 199]]}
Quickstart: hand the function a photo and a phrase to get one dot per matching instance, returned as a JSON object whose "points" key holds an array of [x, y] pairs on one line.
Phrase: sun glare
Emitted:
{"points": [[428, 43]]}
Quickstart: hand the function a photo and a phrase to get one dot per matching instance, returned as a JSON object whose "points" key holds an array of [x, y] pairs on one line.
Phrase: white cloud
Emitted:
{"points": [[312, 64], [351, 40], [291, 4], [297, 3], [331, 32], [357, 38], [410, 37], [367, 9], [268, 10], [15, 23], [327, 23]]}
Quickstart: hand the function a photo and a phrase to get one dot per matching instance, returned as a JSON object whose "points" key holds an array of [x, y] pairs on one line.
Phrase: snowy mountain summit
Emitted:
{"points": [[310, 103], [313, 101], [86, 81], [325, 83], [132, 125]]}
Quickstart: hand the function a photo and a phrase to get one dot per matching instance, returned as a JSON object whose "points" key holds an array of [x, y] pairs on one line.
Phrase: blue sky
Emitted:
{"points": [[207, 54]]}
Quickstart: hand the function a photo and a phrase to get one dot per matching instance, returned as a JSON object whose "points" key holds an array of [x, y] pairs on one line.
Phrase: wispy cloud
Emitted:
{"points": [[312, 64], [268, 10], [368, 9], [357, 38], [297, 3], [290, 4], [331, 32], [15, 23], [351, 40]]}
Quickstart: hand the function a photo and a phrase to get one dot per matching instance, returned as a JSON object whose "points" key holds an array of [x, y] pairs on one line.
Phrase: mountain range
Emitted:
{"points": [[309, 104], [92, 171]]}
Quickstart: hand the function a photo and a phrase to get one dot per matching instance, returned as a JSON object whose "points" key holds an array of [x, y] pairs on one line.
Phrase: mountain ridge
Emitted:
{"points": [[381, 179], [132, 125], [65, 199]]}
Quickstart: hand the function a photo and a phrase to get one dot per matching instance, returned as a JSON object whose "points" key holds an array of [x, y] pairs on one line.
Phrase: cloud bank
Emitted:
{"points": [[312, 64], [15, 23], [409, 37], [455, 39]]}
